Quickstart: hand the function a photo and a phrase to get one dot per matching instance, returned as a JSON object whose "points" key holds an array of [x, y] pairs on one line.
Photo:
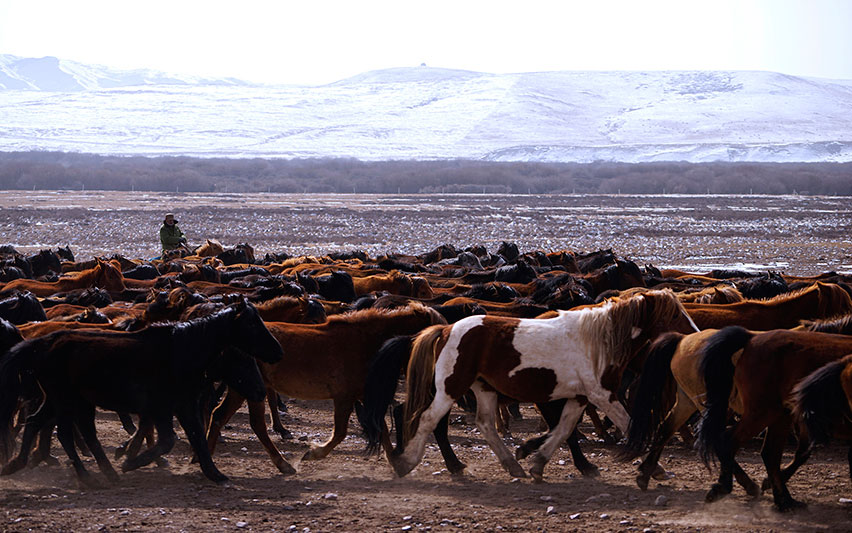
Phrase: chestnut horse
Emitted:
{"points": [[580, 356], [754, 373], [104, 275], [821, 300], [323, 361]]}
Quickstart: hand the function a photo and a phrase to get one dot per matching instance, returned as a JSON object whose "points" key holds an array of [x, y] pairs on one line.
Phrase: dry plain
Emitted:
{"points": [[350, 492]]}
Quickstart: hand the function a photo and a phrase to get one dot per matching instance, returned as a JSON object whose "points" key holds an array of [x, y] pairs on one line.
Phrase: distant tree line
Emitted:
{"points": [[60, 170]]}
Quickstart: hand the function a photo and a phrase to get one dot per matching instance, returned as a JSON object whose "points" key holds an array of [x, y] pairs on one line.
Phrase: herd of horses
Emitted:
{"points": [[725, 356]]}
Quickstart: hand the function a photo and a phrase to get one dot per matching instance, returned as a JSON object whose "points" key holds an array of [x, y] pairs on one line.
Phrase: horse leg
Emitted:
{"points": [[65, 433], [277, 426], [86, 425], [676, 418], [803, 453], [550, 414], [223, 412], [342, 410], [414, 449], [37, 423], [127, 422], [486, 409], [773, 448], [190, 419], [454, 465], [42, 451], [571, 414], [257, 420], [165, 442], [726, 448], [599, 428]]}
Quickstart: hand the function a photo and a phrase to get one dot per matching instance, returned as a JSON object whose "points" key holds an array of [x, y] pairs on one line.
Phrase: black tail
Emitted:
{"points": [[655, 387], [382, 378], [11, 388], [718, 371], [820, 401]]}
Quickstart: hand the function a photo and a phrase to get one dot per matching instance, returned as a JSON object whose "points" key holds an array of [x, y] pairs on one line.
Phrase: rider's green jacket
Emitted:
{"points": [[170, 236]]}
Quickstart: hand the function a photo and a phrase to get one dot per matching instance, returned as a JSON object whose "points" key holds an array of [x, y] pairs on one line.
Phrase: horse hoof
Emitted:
{"points": [[313, 454], [766, 485], [457, 468], [590, 471], [162, 462], [642, 481], [790, 506], [716, 492], [660, 474], [285, 434], [50, 460], [286, 468]]}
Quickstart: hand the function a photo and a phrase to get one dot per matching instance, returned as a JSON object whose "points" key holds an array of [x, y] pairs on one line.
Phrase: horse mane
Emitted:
{"points": [[609, 327], [367, 315], [782, 298], [839, 324]]}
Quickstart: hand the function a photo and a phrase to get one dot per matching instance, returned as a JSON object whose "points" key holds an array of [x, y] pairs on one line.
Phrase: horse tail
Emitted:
{"points": [[420, 378], [655, 386], [717, 367], [11, 388], [820, 400], [382, 377]]}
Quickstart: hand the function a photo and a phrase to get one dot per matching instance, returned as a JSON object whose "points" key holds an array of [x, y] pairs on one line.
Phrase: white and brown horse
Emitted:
{"points": [[578, 355]]}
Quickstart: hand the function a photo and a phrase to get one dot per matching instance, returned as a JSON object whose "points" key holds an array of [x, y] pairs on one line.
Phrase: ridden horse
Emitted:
{"points": [[754, 373], [21, 308], [821, 300], [104, 275], [324, 361], [157, 372], [579, 356]]}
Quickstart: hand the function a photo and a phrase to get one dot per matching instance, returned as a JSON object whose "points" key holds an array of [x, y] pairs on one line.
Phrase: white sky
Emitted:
{"points": [[320, 41]]}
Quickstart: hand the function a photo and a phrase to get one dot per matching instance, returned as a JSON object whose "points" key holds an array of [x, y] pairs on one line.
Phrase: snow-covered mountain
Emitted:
{"points": [[430, 113]]}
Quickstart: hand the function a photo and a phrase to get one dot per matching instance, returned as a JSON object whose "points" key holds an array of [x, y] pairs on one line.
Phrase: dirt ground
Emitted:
{"points": [[350, 492]]}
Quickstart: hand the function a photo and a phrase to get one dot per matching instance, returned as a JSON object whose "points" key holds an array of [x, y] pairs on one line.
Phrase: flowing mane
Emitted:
{"points": [[367, 315], [610, 328]]}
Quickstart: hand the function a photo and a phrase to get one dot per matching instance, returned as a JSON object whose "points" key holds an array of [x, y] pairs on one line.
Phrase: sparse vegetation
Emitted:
{"points": [[60, 170]]}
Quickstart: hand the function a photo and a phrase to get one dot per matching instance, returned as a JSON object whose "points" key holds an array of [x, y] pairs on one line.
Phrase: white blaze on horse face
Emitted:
{"points": [[556, 344]]}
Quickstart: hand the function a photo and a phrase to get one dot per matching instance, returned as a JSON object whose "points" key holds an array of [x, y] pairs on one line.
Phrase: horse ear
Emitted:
{"points": [[635, 332]]}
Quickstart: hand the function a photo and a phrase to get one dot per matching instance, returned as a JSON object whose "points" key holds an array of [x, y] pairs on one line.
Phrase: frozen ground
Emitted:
{"points": [[795, 234]]}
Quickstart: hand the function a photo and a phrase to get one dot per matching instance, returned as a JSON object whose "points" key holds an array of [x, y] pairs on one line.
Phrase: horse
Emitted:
{"points": [[104, 275], [21, 308], [289, 309], [839, 324], [379, 388], [821, 300], [323, 361], [754, 374], [210, 248], [156, 372], [578, 355]]}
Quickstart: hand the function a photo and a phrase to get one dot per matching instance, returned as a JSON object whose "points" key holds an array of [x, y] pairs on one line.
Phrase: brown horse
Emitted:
{"points": [[394, 282], [104, 275], [324, 361], [579, 355], [754, 373], [299, 310], [210, 248], [821, 300]]}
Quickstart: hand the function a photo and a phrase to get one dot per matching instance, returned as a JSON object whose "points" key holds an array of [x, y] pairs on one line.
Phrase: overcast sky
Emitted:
{"points": [[316, 41]]}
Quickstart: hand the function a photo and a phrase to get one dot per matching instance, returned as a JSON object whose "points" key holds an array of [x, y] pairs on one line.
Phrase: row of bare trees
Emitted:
{"points": [[59, 170]]}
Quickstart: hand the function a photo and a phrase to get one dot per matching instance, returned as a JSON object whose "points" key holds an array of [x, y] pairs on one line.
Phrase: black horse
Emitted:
{"points": [[22, 307], [156, 372]]}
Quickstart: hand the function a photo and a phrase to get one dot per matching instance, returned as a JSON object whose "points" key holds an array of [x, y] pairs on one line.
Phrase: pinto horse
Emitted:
{"points": [[324, 361], [579, 355], [157, 372], [821, 300], [104, 275], [754, 373]]}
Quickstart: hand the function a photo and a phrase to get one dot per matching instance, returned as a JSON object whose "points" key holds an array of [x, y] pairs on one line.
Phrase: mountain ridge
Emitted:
{"points": [[432, 113]]}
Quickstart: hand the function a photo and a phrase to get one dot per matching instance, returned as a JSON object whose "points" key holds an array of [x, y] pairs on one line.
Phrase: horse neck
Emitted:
{"points": [[204, 338]]}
